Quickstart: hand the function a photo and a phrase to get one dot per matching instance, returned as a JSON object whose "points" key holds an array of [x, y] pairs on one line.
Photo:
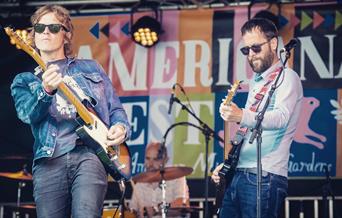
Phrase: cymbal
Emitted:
{"points": [[183, 210], [23, 207], [180, 211], [20, 175], [27, 206], [16, 157], [169, 174]]}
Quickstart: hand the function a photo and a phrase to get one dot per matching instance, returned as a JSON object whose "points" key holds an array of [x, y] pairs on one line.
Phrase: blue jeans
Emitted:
{"points": [[74, 183], [240, 196]]}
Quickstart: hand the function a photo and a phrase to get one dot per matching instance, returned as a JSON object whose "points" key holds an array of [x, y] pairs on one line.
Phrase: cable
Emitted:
{"points": [[123, 190]]}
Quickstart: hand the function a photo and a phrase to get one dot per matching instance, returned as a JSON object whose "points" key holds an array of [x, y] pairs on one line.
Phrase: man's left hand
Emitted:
{"points": [[116, 135], [231, 113]]}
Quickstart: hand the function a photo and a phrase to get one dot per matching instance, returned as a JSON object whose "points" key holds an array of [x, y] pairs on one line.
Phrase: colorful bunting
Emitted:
{"points": [[317, 19], [338, 20], [305, 21], [95, 30]]}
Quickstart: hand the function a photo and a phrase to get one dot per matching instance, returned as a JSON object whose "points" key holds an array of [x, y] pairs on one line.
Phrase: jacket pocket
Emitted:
{"points": [[94, 87], [93, 77]]}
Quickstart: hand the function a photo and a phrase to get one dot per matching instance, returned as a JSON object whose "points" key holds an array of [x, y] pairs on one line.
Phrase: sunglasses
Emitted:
{"points": [[255, 48], [53, 28]]}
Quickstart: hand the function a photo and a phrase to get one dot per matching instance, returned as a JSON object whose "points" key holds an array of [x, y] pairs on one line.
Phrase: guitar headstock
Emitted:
{"points": [[232, 92], [20, 39]]}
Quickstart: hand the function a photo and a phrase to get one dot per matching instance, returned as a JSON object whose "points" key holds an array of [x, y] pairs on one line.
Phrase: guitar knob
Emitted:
{"points": [[121, 166], [115, 157]]}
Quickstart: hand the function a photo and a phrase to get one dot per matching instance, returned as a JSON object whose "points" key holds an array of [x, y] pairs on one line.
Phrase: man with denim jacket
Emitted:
{"points": [[68, 177], [260, 37]]}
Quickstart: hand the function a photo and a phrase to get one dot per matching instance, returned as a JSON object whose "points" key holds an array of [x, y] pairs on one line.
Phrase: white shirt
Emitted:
{"points": [[150, 194], [279, 122]]}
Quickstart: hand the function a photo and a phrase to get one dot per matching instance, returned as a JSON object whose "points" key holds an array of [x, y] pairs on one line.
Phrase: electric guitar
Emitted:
{"points": [[231, 153], [92, 131]]}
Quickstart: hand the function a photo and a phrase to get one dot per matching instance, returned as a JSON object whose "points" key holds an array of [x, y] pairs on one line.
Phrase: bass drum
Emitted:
{"points": [[109, 213]]}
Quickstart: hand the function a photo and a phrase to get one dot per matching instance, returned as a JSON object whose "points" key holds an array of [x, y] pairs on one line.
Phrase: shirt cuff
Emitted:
{"points": [[248, 118], [50, 93]]}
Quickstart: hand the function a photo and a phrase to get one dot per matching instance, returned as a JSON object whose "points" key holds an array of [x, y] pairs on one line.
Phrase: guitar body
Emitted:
{"points": [[116, 159], [229, 166], [229, 150], [227, 173]]}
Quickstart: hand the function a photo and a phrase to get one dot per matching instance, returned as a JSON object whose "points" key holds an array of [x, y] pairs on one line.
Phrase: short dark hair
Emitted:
{"points": [[264, 25]]}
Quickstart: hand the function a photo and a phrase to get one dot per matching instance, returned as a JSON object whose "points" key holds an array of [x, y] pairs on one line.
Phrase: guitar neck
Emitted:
{"points": [[81, 109], [227, 145]]}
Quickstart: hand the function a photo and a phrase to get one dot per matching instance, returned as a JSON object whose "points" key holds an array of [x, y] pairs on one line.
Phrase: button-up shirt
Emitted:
{"points": [[279, 124], [150, 194]]}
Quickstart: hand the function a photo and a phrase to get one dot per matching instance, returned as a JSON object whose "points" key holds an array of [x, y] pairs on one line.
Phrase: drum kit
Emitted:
{"points": [[161, 176], [22, 177]]}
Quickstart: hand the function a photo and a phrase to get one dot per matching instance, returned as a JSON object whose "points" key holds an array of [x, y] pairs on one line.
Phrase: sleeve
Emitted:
{"points": [[181, 189], [134, 200], [135, 203], [116, 112], [287, 95], [30, 99]]}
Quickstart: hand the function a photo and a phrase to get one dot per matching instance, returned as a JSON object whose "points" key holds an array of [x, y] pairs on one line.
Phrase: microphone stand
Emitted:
{"points": [[162, 184], [326, 191], [208, 132], [257, 132]]}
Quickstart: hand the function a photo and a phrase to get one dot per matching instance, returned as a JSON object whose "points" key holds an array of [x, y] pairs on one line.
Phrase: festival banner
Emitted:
{"points": [[199, 55]]}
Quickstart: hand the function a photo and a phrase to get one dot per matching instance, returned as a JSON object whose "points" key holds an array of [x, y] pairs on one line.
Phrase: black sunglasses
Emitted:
{"points": [[255, 48], [53, 28]]}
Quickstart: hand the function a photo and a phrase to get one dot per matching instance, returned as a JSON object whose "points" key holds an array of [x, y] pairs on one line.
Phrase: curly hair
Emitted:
{"points": [[63, 16]]}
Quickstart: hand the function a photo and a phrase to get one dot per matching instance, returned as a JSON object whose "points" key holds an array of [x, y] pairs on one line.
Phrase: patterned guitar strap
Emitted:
{"points": [[242, 131]]}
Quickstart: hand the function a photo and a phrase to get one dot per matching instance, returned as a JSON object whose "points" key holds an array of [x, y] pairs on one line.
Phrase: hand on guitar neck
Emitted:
{"points": [[51, 79], [230, 112]]}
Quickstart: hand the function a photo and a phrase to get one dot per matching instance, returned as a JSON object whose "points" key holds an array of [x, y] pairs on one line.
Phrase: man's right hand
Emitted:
{"points": [[51, 78], [215, 176]]}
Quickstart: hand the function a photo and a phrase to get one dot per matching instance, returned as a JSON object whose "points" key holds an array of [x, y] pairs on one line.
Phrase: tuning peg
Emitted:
{"points": [[12, 41]]}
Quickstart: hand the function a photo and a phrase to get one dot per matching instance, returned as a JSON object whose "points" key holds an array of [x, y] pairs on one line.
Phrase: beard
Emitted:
{"points": [[260, 65]]}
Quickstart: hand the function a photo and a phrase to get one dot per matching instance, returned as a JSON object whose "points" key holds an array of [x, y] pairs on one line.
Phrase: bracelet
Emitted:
{"points": [[50, 92]]}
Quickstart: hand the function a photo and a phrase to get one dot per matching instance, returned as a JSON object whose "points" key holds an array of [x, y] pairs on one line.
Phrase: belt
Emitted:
{"points": [[252, 170]]}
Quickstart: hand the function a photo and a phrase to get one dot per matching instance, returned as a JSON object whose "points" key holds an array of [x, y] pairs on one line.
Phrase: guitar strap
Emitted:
{"points": [[242, 131]]}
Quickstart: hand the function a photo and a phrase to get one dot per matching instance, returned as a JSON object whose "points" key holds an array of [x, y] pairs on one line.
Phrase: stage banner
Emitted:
{"points": [[199, 55]]}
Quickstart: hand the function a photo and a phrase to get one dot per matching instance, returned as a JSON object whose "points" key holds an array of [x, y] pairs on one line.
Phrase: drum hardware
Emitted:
{"points": [[22, 176]]}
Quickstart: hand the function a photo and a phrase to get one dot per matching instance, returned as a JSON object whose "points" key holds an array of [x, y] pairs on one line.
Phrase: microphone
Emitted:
{"points": [[290, 45], [161, 150], [171, 98]]}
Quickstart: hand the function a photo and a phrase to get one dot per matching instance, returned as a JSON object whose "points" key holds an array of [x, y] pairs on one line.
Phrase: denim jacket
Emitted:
{"points": [[32, 102]]}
